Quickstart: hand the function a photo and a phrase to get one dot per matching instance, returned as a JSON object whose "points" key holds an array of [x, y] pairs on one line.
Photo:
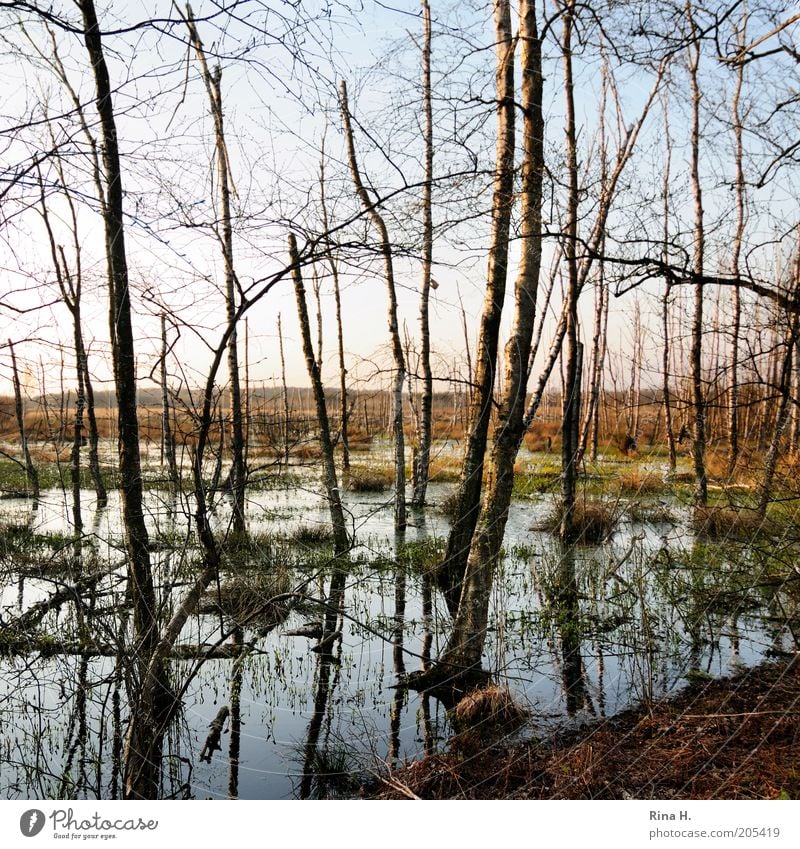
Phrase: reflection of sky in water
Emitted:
{"points": [[277, 698]]}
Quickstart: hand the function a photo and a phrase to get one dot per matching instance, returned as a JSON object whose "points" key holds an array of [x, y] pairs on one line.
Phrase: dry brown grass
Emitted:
{"points": [[306, 451], [728, 739], [445, 470], [542, 437], [447, 429], [368, 479], [593, 521], [485, 714], [359, 440], [638, 482], [729, 523]]}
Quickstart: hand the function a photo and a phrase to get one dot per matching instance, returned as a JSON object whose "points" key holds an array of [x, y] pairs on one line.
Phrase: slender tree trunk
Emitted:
{"points": [[167, 437], [781, 419], [571, 397], [665, 322], [600, 310], [465, 646], [795, 437], [77, 440], [635, 389], [213, 84], [340, 536], [733, 390], [31, 473], [343, 408], [94, 435], [394, 329], [698, 399], [665, 386], [422, 464], [468, 497], [285, 393], [145, 731], [596, 372]]}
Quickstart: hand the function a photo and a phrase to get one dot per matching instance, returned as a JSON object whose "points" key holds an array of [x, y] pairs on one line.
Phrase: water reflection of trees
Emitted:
{"points": [[323, 770], [561, 593]]}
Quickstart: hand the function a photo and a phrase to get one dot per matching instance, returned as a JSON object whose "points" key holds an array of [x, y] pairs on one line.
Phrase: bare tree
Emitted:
{"points": [[394, 330], [736, 252], [213, 84], [698, 398], [480, 408], [464, 650], [341, 539], [334, 266], [148, 705], [423, 456]]}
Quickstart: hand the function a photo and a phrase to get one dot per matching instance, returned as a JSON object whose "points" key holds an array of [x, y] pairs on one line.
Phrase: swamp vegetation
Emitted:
{"points": [[547, 524], [309, 653]]}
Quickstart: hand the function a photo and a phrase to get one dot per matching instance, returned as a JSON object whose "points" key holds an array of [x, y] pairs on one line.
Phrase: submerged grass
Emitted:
{"points": [[422, 556]]}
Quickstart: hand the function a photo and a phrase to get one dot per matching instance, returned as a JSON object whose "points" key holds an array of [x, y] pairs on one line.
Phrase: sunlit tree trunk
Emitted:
{"points": [[571, 397], [736, 251], [465, 646], [696, 356], [481, 391]]}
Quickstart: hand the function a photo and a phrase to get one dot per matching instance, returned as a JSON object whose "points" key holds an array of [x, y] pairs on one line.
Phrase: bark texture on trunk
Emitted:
{"points": [[451, 572], [465, 646], [142, 758], [571, 398], [733, 390], [696, 355]]}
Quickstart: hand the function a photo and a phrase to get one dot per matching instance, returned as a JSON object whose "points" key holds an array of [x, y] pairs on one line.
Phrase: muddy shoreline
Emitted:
{"points": [[732, 738]]}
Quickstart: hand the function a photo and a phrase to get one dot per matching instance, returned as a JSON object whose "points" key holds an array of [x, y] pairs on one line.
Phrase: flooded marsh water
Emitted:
{"points": [[575, 633]]}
